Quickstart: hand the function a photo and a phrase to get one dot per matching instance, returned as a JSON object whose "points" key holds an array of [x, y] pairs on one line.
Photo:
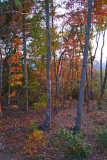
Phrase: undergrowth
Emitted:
{"points": [[74, 146], [102, 137], [35, 141]]}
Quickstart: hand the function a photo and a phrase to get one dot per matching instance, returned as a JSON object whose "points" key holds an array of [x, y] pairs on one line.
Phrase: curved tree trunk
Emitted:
{"points": [[85, 56]]}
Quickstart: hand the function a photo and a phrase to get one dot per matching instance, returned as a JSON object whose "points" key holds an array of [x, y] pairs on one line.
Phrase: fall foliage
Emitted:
{"points": [[44, 48]]}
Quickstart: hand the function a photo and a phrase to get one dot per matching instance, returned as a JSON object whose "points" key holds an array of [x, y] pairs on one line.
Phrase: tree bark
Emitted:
{"points": [[48, 111], [104, 82], [85, 56], [0, 81], [0, 68], [101, 76], [92, 60], [11, 50], [25, 59], [87, 93]]}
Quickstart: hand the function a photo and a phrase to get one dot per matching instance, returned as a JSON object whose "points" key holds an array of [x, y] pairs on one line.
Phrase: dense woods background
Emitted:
{"points": [[44, 48]]}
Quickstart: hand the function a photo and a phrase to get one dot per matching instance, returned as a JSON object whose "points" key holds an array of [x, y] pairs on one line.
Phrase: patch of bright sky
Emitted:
{"points": [[98, 54]]}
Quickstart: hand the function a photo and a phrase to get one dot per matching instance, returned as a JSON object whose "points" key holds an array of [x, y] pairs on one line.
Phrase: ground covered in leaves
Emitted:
{"points": [[14, 131]]}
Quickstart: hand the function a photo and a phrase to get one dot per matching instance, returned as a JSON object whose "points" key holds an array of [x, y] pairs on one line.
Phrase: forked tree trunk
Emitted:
{"points": [[48, 111], [25, 59], [85, 56]]}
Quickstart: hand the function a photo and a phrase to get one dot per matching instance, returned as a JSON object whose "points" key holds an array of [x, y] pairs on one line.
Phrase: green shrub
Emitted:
{"points": [[41, 104], [55, 102], [102, 137], [73, 145], [33, 126]]}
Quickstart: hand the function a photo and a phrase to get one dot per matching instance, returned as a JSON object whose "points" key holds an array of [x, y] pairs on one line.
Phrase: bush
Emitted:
{"points": [[41, 104], [73, 145], [35, 142], [33, 126], [100, 117], [102, 137]]}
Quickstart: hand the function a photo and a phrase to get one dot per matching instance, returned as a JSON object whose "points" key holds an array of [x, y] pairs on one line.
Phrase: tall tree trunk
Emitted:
{"points": [[11, 50], [56, 85], [101, 76], [87, 93], [0, 67], [48, 111], [71, 85], [8, 101], [104, 82], [92, 60], [85, 56], [55, 72], [0, 81], [25, 59], [66, 83]]}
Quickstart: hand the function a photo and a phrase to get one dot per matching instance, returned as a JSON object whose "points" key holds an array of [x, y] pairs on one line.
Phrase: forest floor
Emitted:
{"points": [[14, 131]]}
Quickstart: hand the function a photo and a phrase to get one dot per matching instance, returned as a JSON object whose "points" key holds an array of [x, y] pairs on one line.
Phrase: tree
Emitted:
{"points": [[104, 82], [25, 59], [48, 111], [101, 76], [11, 50], [84, 64], [0, 68], [0, 81]]}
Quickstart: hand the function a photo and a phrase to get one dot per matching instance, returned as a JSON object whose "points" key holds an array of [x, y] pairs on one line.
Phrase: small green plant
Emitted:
{"points": [[12, 120], [55, 102], [73, 145], [102, 137], [100, 117], [41, 104], [11, 150], [33, 126]]}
